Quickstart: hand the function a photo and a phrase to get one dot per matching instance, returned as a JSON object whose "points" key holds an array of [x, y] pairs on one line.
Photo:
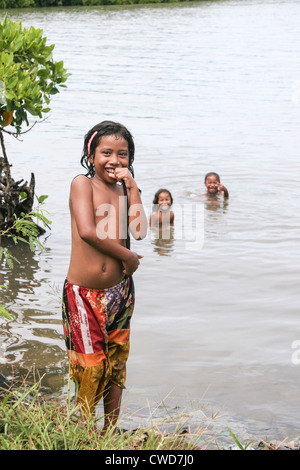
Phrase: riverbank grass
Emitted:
{"points": [[30, 422]]}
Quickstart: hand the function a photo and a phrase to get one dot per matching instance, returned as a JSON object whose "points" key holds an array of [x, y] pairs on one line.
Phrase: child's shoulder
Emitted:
{"points": [[81, 183], [80, 179]]}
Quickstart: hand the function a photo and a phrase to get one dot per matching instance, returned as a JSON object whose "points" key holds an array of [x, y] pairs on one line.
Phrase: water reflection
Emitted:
{"points": [[33, 336], [162, 240], [18, 273], [215, 203]]}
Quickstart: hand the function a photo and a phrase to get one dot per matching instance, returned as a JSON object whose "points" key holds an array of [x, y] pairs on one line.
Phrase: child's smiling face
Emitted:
{"points": [[164, 200], [212, 184], [111, 153]]}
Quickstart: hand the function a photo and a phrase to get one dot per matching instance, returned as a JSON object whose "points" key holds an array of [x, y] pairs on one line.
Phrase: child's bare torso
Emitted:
{"points": [[89, 267]]}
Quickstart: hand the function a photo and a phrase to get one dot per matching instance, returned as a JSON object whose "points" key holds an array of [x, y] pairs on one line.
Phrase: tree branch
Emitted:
{"points": [[16, 134]]}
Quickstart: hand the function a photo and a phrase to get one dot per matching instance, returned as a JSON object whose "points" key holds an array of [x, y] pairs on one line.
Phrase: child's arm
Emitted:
{"points": [[224, 190], [137, 218], [81, 202]]}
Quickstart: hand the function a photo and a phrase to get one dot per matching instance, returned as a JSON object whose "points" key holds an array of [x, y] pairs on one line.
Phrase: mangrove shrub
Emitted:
{"points": [[29, 77]]}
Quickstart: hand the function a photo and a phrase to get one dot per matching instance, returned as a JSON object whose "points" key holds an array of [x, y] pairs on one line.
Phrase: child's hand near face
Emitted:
{"points": [[125, 175], [223, 189]]}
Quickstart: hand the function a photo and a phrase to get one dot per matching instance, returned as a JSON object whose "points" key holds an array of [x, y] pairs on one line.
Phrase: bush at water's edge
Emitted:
{"points": [[57, 3]]}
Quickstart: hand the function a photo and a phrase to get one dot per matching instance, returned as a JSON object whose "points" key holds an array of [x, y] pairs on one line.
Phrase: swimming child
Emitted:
{"points": [[98, 294], [214, 186], [161, 215]]}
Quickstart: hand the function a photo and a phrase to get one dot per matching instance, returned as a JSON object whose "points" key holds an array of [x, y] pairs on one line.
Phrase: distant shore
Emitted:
{"points": [[7, 4]]}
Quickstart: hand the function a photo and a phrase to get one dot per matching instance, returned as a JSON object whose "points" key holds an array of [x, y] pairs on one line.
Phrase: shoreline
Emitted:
{"points": [[209, 433], [200, 429]]}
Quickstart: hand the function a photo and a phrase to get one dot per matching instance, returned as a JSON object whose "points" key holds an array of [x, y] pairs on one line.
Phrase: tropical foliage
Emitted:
{"points": [[28, 73], [51, 3], [29, 77]]}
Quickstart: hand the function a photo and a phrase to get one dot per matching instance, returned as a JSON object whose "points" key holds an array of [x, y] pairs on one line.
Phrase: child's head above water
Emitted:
{"points": [[93, 138], [214, 186], [163, 198], [212, 182]]}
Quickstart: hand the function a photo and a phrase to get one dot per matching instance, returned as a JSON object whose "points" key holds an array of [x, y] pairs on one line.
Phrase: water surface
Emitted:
{"points": [[207, 86]]}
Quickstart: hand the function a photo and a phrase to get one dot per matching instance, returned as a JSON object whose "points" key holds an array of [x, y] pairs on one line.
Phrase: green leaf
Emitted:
{"points": [[10, 95], [43, 73], [5, 313], [42, 198]]}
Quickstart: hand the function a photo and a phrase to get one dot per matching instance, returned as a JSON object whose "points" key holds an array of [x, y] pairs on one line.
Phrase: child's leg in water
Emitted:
{"points": [[112, 402]]}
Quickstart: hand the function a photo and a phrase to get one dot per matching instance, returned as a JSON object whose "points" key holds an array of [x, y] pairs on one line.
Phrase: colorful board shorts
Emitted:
{"points": [[96, 325]]}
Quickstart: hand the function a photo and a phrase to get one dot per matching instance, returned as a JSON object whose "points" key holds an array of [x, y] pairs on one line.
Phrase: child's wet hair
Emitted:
{"points": [[91, 142], [162, 190], [212, 173]]}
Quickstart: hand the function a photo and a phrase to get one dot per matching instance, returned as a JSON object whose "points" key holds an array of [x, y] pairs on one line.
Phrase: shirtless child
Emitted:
{"points": [[214, 187], [162, 216], [98, 296]]}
